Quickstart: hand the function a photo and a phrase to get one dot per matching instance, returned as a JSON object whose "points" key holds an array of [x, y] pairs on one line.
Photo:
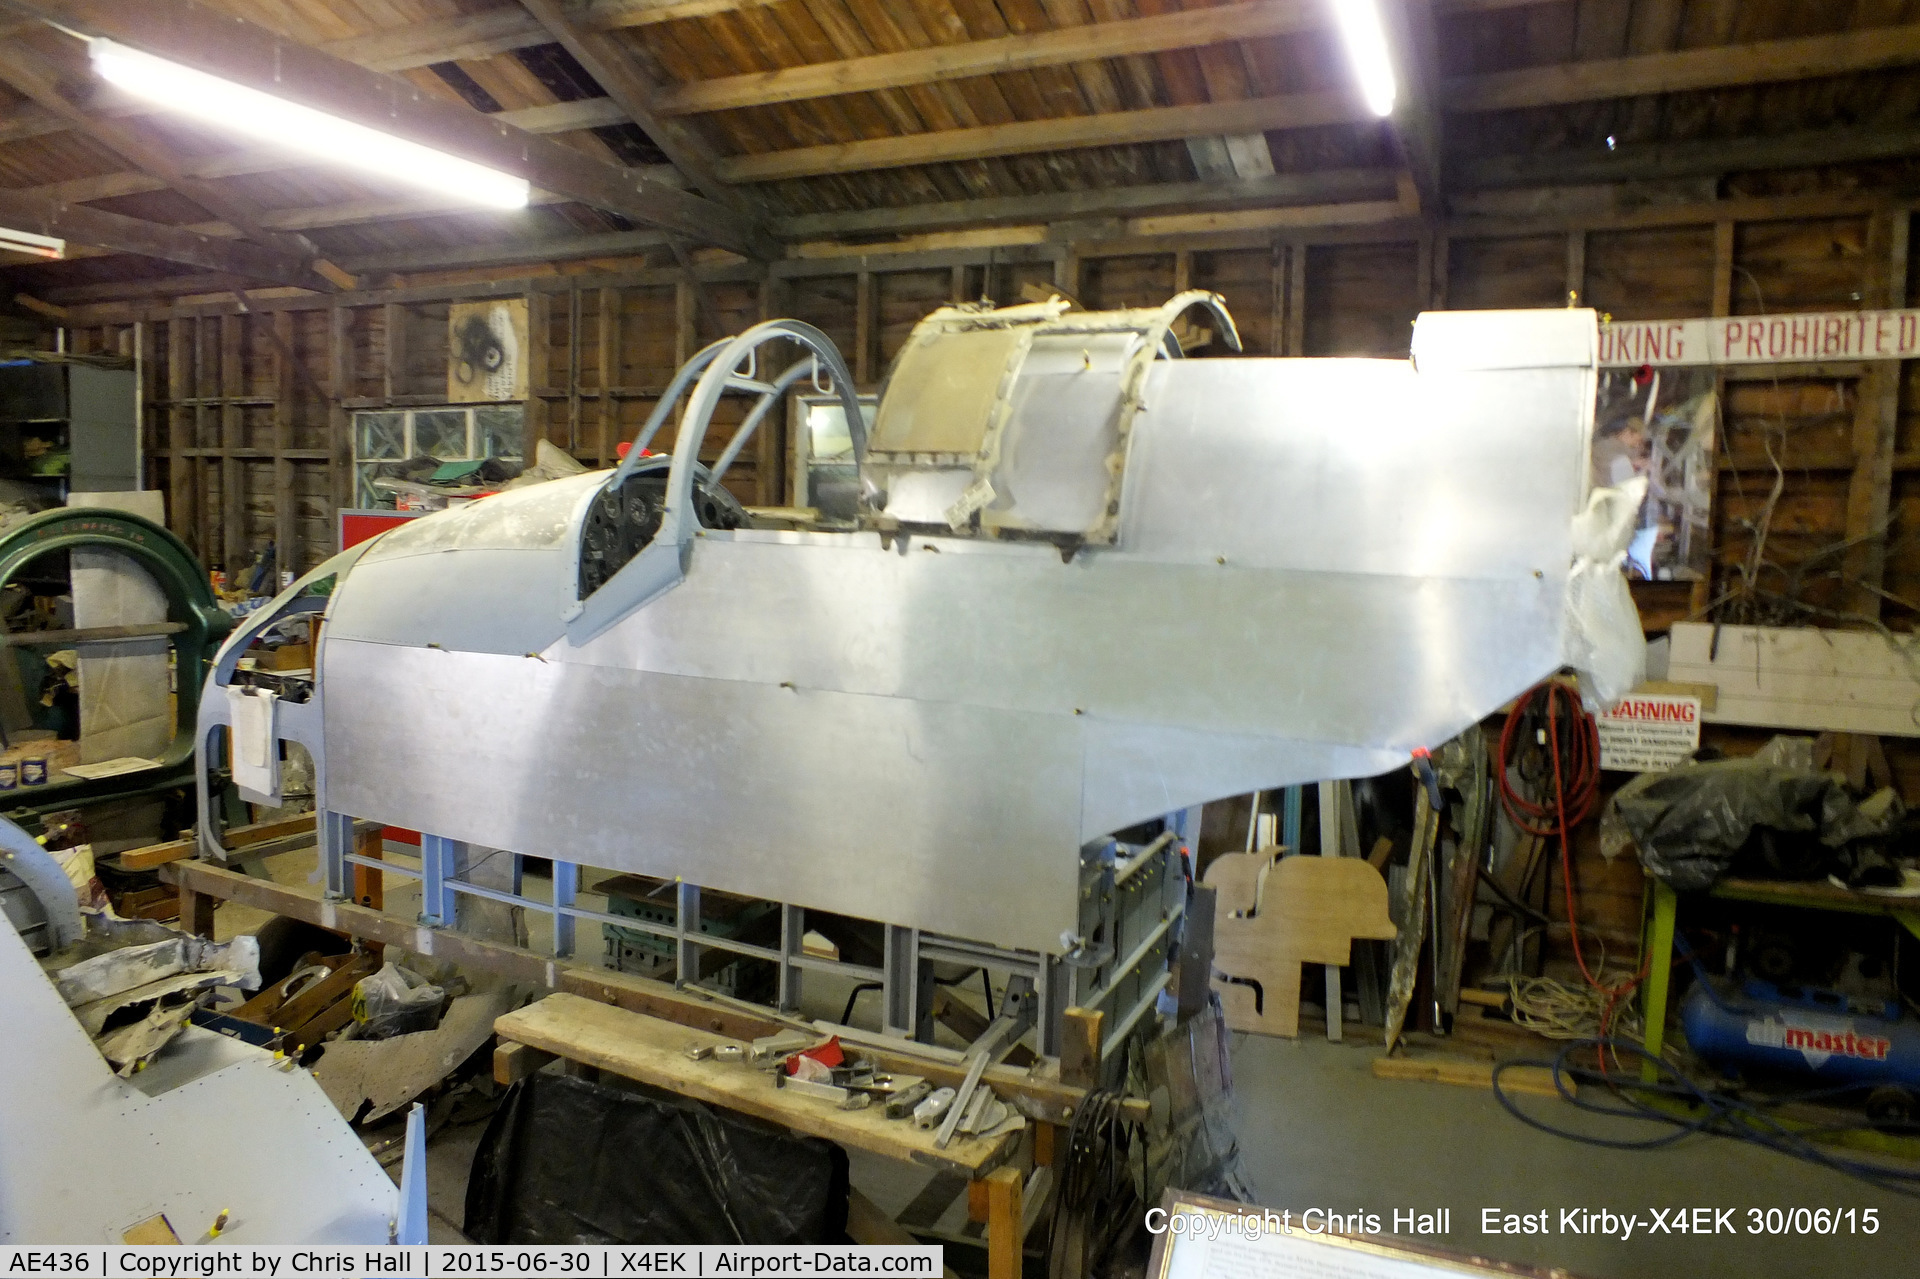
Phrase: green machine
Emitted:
{"points": [[194, 627]]}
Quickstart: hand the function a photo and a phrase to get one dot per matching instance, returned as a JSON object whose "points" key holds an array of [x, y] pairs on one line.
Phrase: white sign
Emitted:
{"points": [[1763, 339], [1649, 732]]}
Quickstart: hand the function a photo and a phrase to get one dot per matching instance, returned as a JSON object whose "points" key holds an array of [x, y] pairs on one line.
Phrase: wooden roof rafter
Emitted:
{"points": [[183, 245], [227, 46], [1561, 83], [39, 79], [626, 82]]}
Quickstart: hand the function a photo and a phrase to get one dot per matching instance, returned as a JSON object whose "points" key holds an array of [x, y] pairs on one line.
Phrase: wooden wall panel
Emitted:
{"points": [[1809, 265], [730, 308], [829, 303], [1903, 555], [1361, 299], [1110, 283], [903, 299], [1492, 274], [1662, 273], [1245, 278], [310, 418]]}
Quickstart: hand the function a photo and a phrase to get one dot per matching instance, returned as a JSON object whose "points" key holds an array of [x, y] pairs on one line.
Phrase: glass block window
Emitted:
{"points": [[452, 434]]}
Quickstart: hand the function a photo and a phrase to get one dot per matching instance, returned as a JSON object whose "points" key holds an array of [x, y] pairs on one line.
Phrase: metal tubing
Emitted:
{"points": [[767, 401], [334, 834], [566, 886], [656, 419], [951, 950], [793, 931], [1132, 961], [1125, 869], [385, 867], [1111, 1040], [686, 933], [901, 981], [437, 854]]}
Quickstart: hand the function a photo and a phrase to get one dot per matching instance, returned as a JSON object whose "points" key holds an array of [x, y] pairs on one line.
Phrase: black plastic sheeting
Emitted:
{"points": [[1699, 822], [565, 1161]]}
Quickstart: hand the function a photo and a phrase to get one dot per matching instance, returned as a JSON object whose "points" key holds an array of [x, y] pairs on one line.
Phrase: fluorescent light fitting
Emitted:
{"points": [[1366, 39], [281, 123], [40, 246]]}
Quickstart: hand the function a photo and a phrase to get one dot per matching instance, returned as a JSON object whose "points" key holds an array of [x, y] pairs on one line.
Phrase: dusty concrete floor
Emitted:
{"points": [[1318, 1130]]}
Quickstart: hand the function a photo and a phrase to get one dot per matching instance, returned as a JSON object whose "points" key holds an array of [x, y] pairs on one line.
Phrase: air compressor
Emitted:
{"points": [[1812, 1033]]}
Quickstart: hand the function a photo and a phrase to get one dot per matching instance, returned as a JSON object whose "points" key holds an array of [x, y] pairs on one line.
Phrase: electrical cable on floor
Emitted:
{"points": [[1556, 1010], [1097, 1205], [1550, 737], [1713, 1113]]}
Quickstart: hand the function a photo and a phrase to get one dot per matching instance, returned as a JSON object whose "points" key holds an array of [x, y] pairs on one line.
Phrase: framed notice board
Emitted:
{"points": [[1204, 1238]]}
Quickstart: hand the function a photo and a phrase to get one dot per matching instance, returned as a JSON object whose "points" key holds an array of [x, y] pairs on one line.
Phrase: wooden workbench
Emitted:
{"points": [[651, 1051]]}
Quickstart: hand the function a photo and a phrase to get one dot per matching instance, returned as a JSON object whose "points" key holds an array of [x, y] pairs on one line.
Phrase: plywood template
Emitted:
{"points": [[1278, 915]]}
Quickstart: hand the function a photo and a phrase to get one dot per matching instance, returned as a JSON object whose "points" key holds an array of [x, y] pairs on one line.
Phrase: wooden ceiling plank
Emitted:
{"points": [[558, 118], [31, 212], [565, 117], [1534, 87], [1295, 111], [417, 44], [1057, 91], [610, 15], [1096, 79], [620, 74], [1647, 162], [1414, 44], [977, 100], [1062, 206], [1683, 70], [39, 79], [1185, 83], [232, 47], [1060, 47]]}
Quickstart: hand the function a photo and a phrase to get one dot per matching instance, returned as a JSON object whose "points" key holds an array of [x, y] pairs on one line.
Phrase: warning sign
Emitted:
{"points": [[1649, 732]]}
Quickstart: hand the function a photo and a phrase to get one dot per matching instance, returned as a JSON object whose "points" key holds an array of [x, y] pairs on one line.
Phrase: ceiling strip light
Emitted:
{"points": [[1366, 39], [40, 246], [278, 122]]}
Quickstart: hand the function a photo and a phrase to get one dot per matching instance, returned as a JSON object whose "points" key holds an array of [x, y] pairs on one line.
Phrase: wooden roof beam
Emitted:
{"points": [[39, 80], [220, 44], [485, 34], [1652, 162], [1332, 186], [1194, 28], [1720, 67], [621, 76], [1249, 20], [1414, 46], [30, 212], [561, 117], [1154, 124]]}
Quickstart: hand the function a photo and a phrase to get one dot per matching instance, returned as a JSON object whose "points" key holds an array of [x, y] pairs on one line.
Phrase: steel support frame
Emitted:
{"points": [[905, 976]]}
